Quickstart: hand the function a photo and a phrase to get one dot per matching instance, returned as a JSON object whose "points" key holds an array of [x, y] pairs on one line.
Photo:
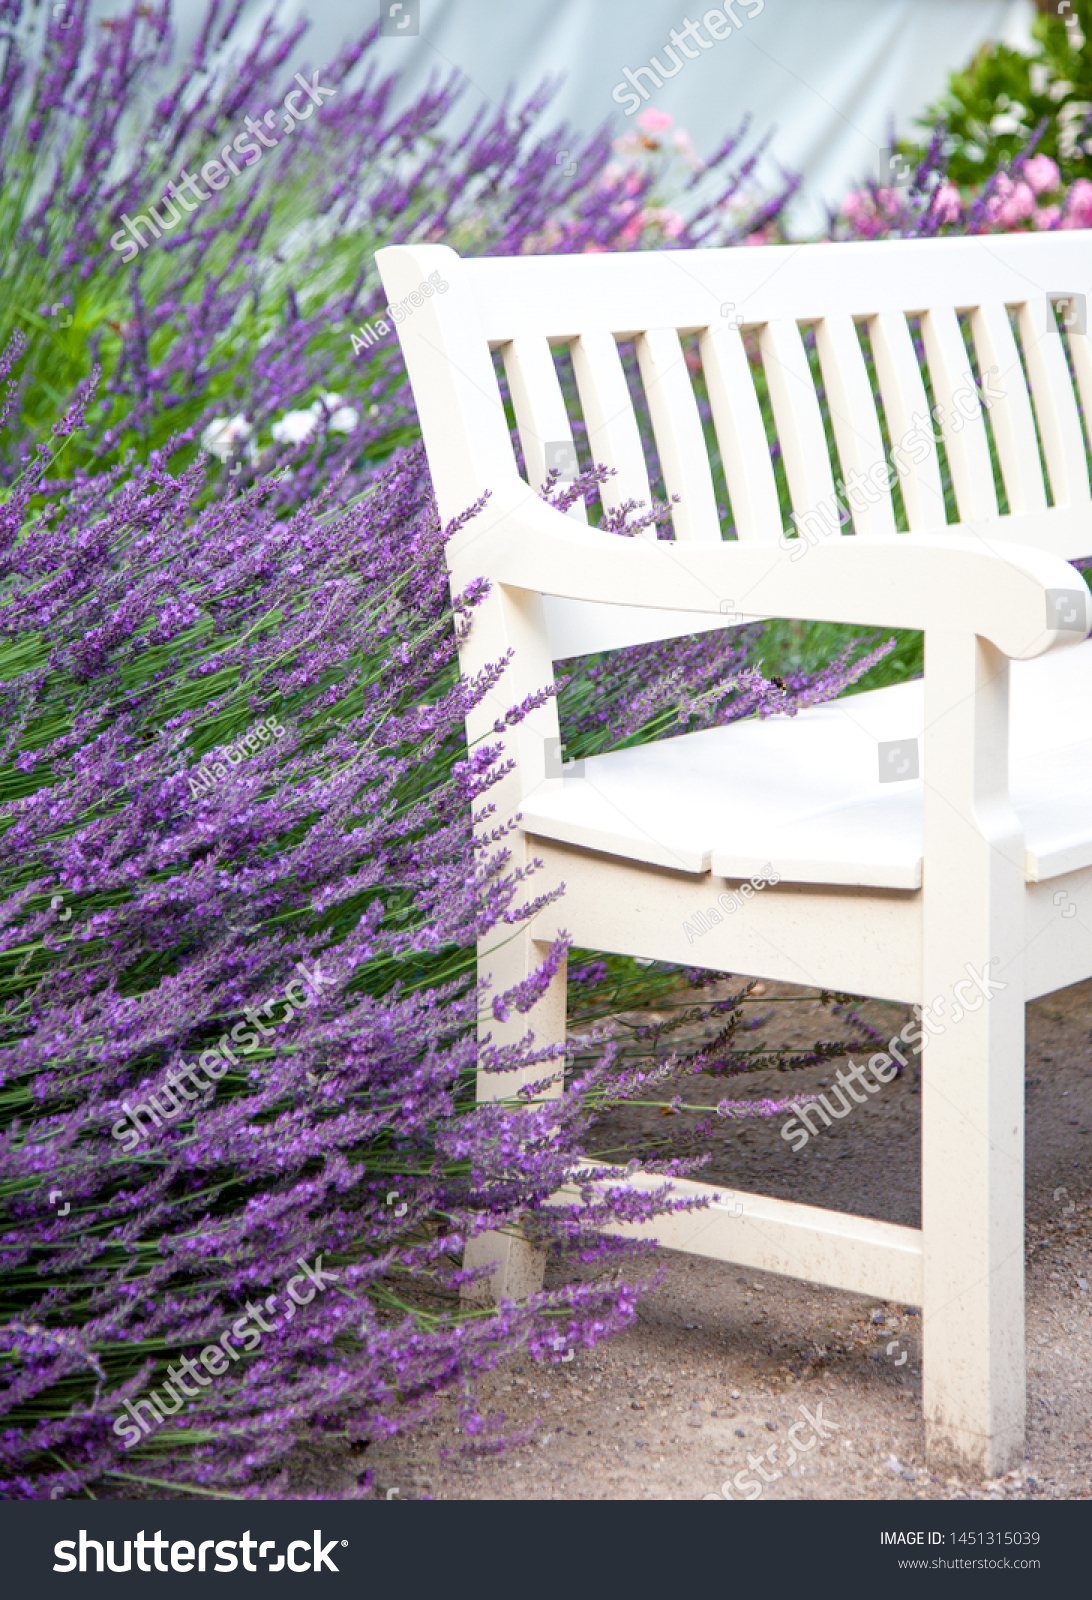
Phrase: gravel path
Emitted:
{"points": [[722, 1361]]}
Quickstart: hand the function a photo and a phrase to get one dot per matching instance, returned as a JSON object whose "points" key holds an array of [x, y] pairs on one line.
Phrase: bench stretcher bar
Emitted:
{"points": [[880, 1259]]}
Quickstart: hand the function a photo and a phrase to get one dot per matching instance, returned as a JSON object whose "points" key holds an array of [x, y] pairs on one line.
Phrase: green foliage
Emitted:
{"points": [[994, 105]]}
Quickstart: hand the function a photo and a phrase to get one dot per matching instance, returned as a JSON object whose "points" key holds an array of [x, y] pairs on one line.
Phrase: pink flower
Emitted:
{"points": [[1078, 211], [669, 222], [1018, 207], [652, 121], [859, 210], [1002, 191], [947, 206], [1042, 174], [685, 146], [1047, 217], [1010, 203], [628, 144]]}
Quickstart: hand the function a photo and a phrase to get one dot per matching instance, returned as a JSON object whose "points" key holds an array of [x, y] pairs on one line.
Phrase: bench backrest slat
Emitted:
{"points": [[797, 415], [855, 422], [680, 440], [1081, 349], [962, 427], [539, 404], [941, 319], [1011, 415], [614, 439], [741, 436], [1055, 405], [904, 398]]}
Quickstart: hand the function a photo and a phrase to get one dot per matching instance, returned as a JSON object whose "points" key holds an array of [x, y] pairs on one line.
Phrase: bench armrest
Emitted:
{"points": [[960, 582]]}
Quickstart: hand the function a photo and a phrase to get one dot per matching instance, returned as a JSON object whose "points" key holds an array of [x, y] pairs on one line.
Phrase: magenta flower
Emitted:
{"points": [[652, 122], [1041, 174], [947, 206], [1078, 211]]}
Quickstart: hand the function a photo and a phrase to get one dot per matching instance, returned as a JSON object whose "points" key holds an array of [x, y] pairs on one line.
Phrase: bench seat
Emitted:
{"points": [[802, 794]]}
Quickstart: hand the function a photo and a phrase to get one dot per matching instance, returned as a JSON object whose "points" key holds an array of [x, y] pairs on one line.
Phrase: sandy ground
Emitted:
{"points": [[721, 1361]]}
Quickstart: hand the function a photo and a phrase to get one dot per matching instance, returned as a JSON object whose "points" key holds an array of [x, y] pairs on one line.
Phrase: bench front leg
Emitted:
{"points": [[519, 1268], [512, 622], [972, 1131]]}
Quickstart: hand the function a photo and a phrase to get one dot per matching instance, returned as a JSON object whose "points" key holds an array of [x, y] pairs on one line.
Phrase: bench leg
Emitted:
{"points": [[972, 1147], [519, 1268]]}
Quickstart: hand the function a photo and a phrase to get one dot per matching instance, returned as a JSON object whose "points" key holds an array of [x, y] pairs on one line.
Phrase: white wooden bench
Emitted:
{"points": [[891, 889]]}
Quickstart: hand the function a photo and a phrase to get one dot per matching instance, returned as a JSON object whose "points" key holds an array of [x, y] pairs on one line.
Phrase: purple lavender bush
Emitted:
{"points": [[240, 897], [1022, 195], [170, 877], [239, 313], [237, 940]]}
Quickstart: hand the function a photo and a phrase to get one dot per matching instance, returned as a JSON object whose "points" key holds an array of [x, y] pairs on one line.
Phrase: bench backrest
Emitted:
{"points": [[921, 307]]}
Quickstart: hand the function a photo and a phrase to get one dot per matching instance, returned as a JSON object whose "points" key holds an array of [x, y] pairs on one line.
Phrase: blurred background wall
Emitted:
{"points": [[830, 77]]}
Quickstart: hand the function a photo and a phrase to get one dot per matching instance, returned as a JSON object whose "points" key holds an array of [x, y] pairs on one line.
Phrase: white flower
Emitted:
{"points": [[343, 419], [294, 427], [223, 434]]}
